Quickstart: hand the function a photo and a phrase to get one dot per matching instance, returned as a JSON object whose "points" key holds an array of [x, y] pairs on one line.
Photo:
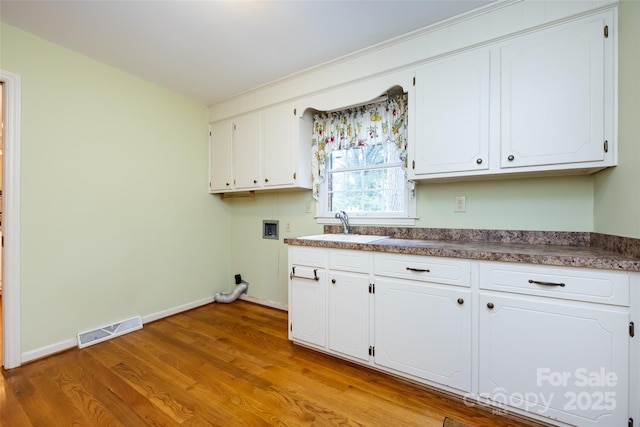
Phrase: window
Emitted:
{"points": [[366, 179], [359, 163]]}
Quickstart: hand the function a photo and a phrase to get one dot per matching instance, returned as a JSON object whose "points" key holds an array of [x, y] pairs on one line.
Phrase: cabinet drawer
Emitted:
{"points": [[306, 255], [424, 269], [356, 261], [599, 286]]}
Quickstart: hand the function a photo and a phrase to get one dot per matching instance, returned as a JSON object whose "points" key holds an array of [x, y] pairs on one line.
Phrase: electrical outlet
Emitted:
{"points": [[287, 226], [309, 208], [460, 204]]}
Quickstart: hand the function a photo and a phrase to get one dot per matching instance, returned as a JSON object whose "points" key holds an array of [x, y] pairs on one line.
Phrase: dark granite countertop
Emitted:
{"points": [[569, 249]]}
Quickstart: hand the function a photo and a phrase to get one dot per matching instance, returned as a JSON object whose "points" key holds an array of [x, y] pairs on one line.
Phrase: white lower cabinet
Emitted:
{"points": [[424, 330], [308, 305], [558, 360], [349, 321], [330, 308], [554, 343]]}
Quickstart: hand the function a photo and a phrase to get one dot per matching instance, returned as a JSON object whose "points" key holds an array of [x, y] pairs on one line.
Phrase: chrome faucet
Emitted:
{"points": [[342, 216]]}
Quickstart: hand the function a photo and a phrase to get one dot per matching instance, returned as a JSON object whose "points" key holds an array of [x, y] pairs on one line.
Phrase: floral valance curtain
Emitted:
{"points": [[370, 124]]}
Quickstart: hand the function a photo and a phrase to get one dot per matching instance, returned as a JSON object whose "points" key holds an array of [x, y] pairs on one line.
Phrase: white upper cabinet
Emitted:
{"points": [[553, 96], [234, 154], [537, 103], [278, 146], [452, 120], [267, 149], [286, 148], [246, 144], [221, 156]]}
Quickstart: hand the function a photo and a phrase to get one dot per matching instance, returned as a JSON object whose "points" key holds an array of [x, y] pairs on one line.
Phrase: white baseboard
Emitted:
{"points": [[175, 310], [268, 303], [48, 350]]}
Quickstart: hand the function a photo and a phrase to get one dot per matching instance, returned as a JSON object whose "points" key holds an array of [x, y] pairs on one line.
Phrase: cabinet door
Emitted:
{"points": [[424, 330], [221, 157], [563, 361], [308, 306], [553, 96], [349, 314], [452, 114], [278, 150], [246, 142]]}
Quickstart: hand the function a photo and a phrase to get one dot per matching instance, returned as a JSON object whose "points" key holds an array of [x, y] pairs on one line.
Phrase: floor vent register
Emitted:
{"points": [[107, 332]]}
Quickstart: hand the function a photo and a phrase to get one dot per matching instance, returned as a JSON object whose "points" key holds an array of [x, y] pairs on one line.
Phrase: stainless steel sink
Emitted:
{"points": [[346, 238]]}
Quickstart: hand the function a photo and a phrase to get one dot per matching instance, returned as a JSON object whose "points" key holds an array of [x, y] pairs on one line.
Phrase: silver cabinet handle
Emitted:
{"points": [[546, 283], [293, 275]]}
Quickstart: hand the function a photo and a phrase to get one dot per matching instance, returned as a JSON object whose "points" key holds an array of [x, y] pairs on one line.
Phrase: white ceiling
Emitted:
{"points": [[210, 50]]}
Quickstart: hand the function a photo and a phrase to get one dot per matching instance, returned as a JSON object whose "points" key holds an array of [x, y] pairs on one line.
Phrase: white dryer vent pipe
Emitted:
{"points": [[241, 288]]}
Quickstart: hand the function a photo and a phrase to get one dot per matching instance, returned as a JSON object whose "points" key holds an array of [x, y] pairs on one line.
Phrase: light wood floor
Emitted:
{"points": [[217, 365], [1, 330]]}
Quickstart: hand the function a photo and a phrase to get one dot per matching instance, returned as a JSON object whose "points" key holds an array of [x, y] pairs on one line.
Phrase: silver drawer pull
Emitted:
{"points": [[546, 283], [293, 275], [418, 270]]}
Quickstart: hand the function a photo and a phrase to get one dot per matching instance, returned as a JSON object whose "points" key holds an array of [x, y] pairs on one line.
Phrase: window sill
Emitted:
{"points": [[407, 222]]}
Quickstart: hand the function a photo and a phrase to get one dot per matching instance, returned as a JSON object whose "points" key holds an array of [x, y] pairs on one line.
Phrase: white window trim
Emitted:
{"points": [[323, 217]]}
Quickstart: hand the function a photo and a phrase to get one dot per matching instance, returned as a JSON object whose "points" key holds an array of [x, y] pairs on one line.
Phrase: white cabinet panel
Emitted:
{"points": [[555, 359], [308, 305], [424, 269], [246, 144], [346, 260], [221, 156], [349, 320], [278, 151], [424, 330], [601, 286], [452, 120], [553, 96], [307, 255]]}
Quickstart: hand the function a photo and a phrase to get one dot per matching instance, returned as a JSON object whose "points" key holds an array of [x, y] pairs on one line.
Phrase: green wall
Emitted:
{"points": [[553, 203], [616, 195], [263, 262], [116, 220], [115, 216]]}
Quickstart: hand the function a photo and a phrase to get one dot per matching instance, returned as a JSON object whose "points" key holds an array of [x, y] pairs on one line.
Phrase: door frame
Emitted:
{"points": [[11, 342]]}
